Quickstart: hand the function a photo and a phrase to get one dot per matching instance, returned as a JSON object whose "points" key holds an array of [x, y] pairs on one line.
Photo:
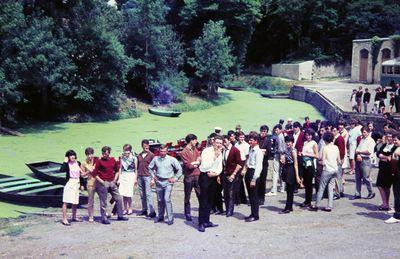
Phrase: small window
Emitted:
{"points": [[383, 70], [397, 70], [389, 70]]}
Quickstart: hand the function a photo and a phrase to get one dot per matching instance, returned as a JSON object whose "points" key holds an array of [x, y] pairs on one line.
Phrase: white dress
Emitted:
{"points": [[71, 188], [127, 177]]}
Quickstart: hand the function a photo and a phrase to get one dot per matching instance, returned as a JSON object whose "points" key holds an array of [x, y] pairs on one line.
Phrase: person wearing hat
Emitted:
{"points": [[289, 124], [218, 130]]}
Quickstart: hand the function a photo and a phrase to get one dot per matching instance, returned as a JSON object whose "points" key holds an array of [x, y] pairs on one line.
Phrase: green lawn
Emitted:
{"points": [[50, 141]]}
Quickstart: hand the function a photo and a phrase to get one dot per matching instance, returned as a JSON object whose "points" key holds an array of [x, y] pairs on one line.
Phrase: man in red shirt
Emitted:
{"points": [[191, 161], [341, 144], [106, 172], [232, 163]]}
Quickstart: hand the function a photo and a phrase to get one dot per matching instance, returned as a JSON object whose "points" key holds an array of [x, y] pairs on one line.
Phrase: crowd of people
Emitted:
{"points": [[384, 97], [232, 169]]}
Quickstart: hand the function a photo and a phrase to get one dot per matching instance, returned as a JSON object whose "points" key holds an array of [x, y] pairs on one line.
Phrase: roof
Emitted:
{"points": [[391, 62]]}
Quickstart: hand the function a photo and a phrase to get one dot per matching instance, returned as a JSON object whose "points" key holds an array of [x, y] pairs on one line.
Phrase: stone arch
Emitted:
{"points": [[386, 54], [363, 65]]}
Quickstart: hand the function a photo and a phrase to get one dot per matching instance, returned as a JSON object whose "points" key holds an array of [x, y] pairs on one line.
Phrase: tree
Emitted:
{"points": [[213, 57]]}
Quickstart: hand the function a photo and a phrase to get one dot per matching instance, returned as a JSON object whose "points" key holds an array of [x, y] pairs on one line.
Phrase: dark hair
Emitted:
{"points": [[264, 128], [289, 138], [145, 141], [328, 137], [218, 137], [70, 153], [296, 124], [212, 135], [317, 121], [105, 149], [89, 151], [190, 137], [365, 128], [278, 126], [230, 132], [306, 118], [310, 132], [353, 121], [127, 147], [254, 137], [396, 134], [163, 146], [281, 121], [241, 133], [225, 137], [341, 122]]}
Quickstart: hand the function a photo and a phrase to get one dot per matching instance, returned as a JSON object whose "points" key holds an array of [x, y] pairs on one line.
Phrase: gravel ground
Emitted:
{"points": [[354, 229]]}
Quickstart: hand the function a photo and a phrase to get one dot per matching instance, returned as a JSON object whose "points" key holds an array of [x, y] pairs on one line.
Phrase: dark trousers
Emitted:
{"points": [[241, 193], [229, 192], [190, 183], [308, 175], [102, 190], [263, 180], [396, 195], [217, 200], [318, 174], [290, 187], [207, 192], [397, 103], [253, 195]]}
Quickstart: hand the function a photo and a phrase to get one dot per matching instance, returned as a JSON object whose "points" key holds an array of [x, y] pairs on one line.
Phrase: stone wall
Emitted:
{"points": [[297, 71], [332, 70], [330, 111]]}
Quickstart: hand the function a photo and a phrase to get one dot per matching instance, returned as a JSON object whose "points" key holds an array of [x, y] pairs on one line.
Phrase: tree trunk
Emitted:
{"points": [[212, 92]]}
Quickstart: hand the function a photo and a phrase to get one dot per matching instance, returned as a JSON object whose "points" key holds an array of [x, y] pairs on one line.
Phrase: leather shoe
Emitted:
{"points": [[188, 218], [356, 197], [105, 222], [370, 196], [201, 228], [251, 219], [142, 213], [229, 214], [314, 208], [122, 219], [151, 215], [336, 197], [157, 220], [303, 205], [170, 222], [341, 195], [210, 225], [285, 211], [246, 218]]}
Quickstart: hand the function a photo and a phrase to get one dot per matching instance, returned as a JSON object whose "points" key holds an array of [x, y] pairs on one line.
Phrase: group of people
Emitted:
{"points": [[361, 99], [231, 165]]}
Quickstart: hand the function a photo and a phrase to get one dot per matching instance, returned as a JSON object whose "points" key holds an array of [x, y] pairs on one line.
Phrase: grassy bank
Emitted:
{"points": [[50, 141]]}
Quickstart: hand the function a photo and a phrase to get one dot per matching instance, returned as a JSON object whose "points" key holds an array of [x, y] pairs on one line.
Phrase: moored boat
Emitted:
{"points": [[48, 171], [166, 113]]}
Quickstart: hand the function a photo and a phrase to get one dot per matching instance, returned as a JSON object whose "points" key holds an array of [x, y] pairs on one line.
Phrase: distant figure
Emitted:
{"points": [[366, 99], [392, 102], [397, 97], [307, 123], [353, 101], [289, 125], [359, 95], [377, 100]]}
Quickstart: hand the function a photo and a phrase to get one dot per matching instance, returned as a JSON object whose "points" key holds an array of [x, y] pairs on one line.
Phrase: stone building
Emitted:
{"points": [[361, 64]]}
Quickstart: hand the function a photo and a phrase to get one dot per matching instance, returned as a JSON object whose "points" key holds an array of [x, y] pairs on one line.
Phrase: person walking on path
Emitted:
{"points": [[106, 172], [210, 167], [191, 162], [144, 179], [366, 99], [290, 173], [232, 164], [165, 170], [363, 163], [252, 173]]}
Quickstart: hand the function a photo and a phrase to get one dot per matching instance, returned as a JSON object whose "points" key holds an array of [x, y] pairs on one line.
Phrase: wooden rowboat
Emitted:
{"points": [[166, 113], [275, 96], [32, 192], [48, 171]]}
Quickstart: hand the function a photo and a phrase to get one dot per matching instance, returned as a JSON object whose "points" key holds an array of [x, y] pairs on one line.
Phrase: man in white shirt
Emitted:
{"points": [[210, 167], [354, 133], [252, 173], [244, 148], [363, 163]]}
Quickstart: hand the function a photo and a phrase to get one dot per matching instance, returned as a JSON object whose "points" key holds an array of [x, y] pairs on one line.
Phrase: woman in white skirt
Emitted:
{"points": [[127, 177], [74, 183]]}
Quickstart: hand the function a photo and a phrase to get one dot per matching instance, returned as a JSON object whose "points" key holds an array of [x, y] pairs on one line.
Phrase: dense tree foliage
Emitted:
{"points": [[83, 56]]}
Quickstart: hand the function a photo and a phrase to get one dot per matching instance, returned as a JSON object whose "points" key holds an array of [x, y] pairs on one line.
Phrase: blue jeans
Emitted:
{"points": [[145, 193], [164, 189], [363, 170]]}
